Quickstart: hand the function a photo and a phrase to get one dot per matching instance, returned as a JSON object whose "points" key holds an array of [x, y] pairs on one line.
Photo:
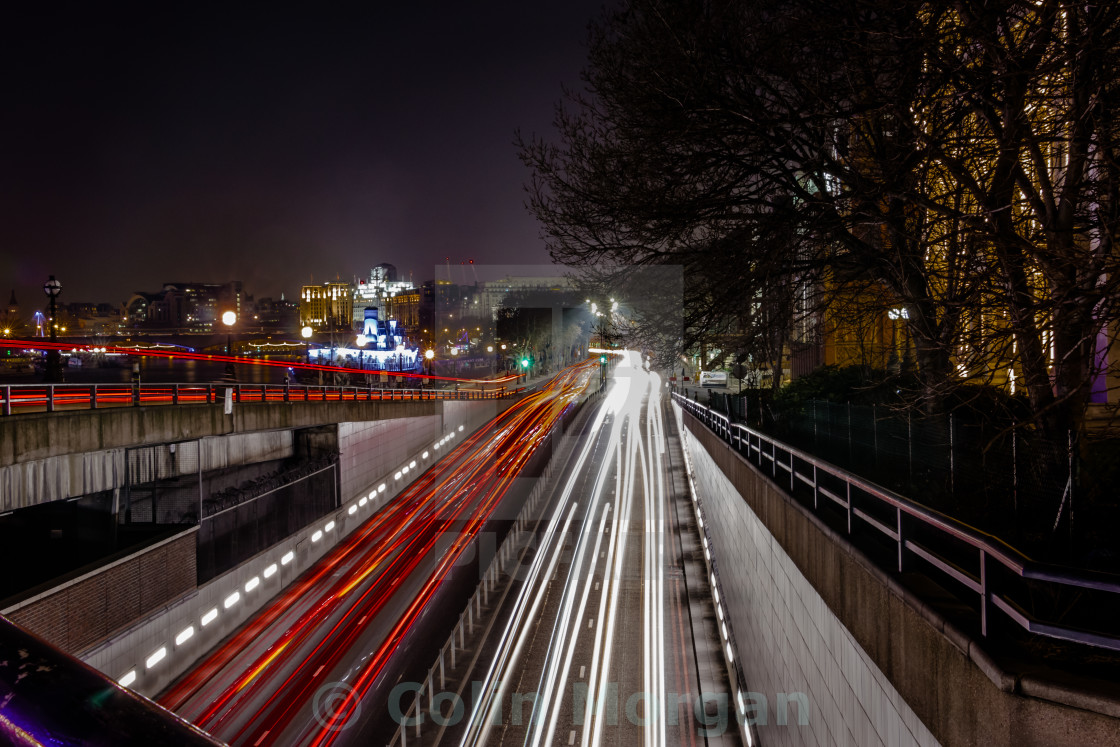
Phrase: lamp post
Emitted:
{"points": [[229, 318], [54, 361], [429, 354], [305, 333], [361, 341]]}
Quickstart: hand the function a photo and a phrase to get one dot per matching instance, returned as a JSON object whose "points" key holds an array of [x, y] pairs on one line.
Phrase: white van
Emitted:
{"points": [[713, 378]]}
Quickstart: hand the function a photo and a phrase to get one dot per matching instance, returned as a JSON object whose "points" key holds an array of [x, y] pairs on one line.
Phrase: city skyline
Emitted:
{"points": [[273, 149]]}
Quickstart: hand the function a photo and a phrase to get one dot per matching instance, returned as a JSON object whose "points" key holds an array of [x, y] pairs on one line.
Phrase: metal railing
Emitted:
{"points": [[987, 575], [27, 398]]}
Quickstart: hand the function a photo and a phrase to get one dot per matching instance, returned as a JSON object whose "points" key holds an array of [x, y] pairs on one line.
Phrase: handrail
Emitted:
{"points": [[28, 398], [770, 455]]}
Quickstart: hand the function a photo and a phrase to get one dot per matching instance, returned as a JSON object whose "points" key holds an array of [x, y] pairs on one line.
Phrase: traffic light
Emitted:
{"points": [[602, 359], [524, 362]]}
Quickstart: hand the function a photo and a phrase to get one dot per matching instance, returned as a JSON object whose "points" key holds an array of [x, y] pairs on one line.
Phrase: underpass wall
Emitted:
{"points": [[70, 475], [367, 450], [471, 414], [788, 640]]}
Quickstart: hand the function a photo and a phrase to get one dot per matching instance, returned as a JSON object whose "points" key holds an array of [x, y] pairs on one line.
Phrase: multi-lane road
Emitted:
{"points": [[594, 639], [595, 643], [348, 627]]}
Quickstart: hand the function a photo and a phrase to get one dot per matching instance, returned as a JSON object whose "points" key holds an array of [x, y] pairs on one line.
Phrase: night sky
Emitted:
{"points": [[206, 143]]}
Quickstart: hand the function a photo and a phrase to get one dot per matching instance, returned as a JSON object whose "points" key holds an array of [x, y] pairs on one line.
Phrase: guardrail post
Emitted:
{"points": [[209, 393], [816, 492], [850, 465], [174, 394], [848, 500], [237, 393], [93, 397], [7, 390], [910, 445], [287, 391], [50, 398], [875, 433], [952, 467], [984, 595], [901, 539]]}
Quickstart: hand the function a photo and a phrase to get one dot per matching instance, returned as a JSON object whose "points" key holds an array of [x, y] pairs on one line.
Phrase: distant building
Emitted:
{"points": [[134, 312], [327, 307], [11, 323], [185, 307], [372, 292], [281, 315], [90, 320], [492, 294], [403, 307]]}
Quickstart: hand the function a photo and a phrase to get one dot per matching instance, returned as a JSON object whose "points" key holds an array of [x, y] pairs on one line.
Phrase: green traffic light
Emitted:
{"points": [[524, 362], [602, 359]]}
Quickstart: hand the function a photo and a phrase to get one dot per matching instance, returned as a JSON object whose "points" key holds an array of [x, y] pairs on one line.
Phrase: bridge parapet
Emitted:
{"points": [[43, 435]]}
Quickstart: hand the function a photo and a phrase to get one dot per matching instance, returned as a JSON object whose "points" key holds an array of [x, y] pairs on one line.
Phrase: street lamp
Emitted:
{"points": [[54, 361], [229, 318], [361, 340], [429, 354], [305, 333]]}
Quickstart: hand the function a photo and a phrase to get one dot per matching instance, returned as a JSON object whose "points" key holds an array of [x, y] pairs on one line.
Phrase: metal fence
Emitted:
{"points": [[1002, 587], [1004, 480], [163, 483], [237, 524]]}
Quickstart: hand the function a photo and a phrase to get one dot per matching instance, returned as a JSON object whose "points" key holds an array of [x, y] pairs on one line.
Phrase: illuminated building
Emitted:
{"points": [[374, 292], [328, 307]]}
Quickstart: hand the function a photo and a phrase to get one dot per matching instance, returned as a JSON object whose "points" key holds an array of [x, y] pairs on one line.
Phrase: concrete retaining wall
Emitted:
{"points": [[367, 450], [811, 614], [29, 483], [38, 436]]}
